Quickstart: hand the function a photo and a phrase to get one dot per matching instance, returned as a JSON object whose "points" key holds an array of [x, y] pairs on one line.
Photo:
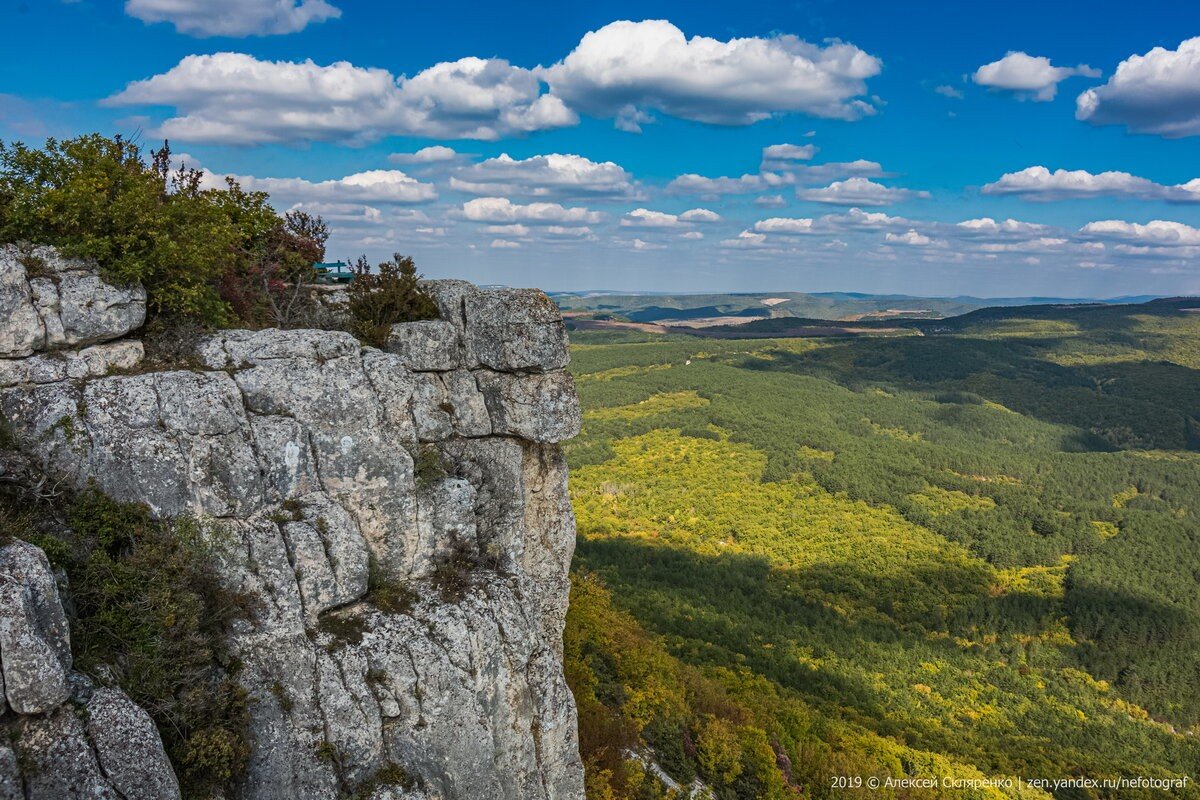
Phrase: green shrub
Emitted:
{"points": [[216, 256], [379, 300], [149, 614]]}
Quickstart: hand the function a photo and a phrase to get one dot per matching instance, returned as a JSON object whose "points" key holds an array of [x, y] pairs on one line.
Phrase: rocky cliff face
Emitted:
{"points": [[330, 470]]}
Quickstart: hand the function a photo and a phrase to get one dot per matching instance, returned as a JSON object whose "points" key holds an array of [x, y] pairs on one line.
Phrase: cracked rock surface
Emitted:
{"points": [[342, 474]]}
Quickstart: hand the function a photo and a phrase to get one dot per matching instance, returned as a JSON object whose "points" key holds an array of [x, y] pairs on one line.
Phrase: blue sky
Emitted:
{"points": [[925, 148]]}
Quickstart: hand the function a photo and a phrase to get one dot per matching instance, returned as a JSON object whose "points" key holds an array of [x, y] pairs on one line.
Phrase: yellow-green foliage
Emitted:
{"points": [[1122, 498], [937, 500], [620, 372], [886, 573], [655, 404], [709, 496]]}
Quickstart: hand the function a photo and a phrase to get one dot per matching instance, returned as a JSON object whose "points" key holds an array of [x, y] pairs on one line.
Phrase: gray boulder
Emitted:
{"points": [[128, 748], [35, 648], [516, 330], [540, 408], [50, 302]]}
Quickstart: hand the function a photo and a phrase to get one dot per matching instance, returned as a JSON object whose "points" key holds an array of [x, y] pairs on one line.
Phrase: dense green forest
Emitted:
{"points": [[970, 553]]}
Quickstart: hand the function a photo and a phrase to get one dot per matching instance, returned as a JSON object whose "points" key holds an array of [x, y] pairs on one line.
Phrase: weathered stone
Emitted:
{"points": [[468, 411], [128, 748], [238, 349], [445, 520], [58, 762], [302, 443], [328, 555], [21, 329], [540, 408], [516, 330], [394, 386], [425, 345], [10, 775], [48, 302], [35, 647], [431, 408]]}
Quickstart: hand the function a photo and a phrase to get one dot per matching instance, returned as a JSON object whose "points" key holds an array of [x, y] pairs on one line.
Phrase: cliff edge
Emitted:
{"points": [[397, 519]]}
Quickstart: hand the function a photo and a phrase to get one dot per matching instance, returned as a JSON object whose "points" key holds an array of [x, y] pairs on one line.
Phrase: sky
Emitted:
{"points": [[931, 148]]}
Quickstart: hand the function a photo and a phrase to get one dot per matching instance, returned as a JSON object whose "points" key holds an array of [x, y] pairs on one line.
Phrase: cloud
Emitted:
{"points": [[945, 90], [234, 98], [568, 232], [426, 155], [691, 183], [1029, 76], [504, 244], [372, 186], [784, 225], [627, 68], [779, 175], [746, 239], [645, 218], [986, 226], [770, 201], [659, 220], [910, 238], [859, 192], [691, 235], [1162, 233], [1039, 183], [233, 17], [553, 175], [857, 218], [783, 155], [507, 230], [1156, 93], [501, 210]]}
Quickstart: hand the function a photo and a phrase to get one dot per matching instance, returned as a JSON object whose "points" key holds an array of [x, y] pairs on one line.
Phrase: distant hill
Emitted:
{"points": [[843, 306], [1083, 314]]}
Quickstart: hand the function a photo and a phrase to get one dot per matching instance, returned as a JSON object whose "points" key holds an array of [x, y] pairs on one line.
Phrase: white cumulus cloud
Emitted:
{"points": [[1156, 93], [1162, 233], [234, 98], [426, 155], [910, 237], [859, 192], [784, 225], [1039, 183], [626, 69], [553, 175], [1032, 76], [233, 17], [501, 210]]}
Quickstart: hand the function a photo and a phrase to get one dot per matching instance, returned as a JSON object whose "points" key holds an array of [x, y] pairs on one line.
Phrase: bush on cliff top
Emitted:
{"points": [[217, 256], [380, 300]]}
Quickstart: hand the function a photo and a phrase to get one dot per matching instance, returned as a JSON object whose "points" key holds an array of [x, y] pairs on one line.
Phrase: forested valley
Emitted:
{"points": [[972, 551]]}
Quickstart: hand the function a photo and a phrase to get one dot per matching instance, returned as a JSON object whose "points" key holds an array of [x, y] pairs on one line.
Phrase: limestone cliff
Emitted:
{"points": [[330, 468]]}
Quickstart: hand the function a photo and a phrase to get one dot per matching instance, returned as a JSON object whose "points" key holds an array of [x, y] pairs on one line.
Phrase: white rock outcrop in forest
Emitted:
{"points": [[334, 472]]}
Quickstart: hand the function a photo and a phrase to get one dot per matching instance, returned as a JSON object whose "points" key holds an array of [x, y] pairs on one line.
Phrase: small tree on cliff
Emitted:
{"points": [[381, 299]]}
